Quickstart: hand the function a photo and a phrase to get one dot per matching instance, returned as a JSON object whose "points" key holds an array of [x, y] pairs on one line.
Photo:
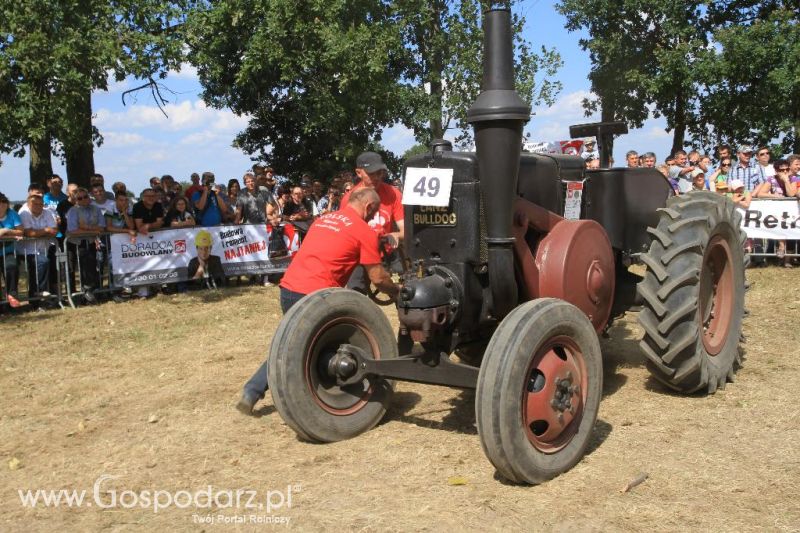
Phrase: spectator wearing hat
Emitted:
{"points": [[589, 149], [206, 266], [745, 171], [388, 220], [10, 228], [739, 196], [698, 180]]}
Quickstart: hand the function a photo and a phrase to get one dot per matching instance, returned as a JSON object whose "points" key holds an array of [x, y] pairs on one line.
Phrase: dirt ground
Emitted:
{"points": [[144, 391]]}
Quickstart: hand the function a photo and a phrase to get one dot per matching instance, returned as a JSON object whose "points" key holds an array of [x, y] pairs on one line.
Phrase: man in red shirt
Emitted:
{"points": [[335, 244], [373, 172]]}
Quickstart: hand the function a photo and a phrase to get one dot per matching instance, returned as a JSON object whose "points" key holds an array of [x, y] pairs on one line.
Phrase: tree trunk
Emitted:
{"points": [[679, 134], [79, 151], [40, 166], [608, 113]]}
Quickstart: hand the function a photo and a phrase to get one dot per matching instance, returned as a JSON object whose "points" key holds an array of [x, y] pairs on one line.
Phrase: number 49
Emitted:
{"points": [[433, 185]]}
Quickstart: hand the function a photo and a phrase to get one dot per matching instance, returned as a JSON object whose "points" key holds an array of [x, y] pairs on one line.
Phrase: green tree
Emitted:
{"points": [[318, 79], [644, 54], [54, 53], [445, 42], [751, 79]]}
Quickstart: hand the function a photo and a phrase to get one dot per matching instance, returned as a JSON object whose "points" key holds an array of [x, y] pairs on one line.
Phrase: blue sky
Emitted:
{"points": [[140, 142]]}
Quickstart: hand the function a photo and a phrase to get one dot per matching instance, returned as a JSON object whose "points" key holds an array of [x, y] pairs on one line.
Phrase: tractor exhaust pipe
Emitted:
{"points": [[497, 116]]}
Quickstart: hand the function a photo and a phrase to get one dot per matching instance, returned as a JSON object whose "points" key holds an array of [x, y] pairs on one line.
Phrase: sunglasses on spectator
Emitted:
{"points": [[82, 197], [782, 169], [725, 165]]}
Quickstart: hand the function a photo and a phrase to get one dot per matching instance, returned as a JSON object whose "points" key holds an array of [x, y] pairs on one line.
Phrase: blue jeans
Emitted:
{"points": [[258, 384], [38, 274]]}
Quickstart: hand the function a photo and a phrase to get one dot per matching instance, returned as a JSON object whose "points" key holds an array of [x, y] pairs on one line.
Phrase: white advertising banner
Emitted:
{"points": [[183, 254], [772, 219]]}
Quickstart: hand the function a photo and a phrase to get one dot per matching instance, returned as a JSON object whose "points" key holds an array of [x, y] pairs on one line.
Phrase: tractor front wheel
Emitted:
{"points": [[539, 389], [303, 351]]}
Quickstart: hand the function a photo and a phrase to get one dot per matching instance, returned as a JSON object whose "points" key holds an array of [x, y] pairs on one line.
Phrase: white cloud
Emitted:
{"points": [[187, 72], [657, 133], [569, 105], [398, 139], [206, 137], [114, 139], [181, 116]]}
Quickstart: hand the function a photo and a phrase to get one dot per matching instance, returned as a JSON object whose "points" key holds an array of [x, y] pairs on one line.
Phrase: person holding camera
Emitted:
{"points": [[210, 205]]}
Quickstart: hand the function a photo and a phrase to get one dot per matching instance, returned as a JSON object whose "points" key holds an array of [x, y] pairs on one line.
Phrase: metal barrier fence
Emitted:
{"points": [[31, 271], [87, 256]]}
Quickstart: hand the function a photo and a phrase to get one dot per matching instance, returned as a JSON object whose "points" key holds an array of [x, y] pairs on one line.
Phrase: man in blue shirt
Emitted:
{"points": [[208, 203], [55, 194]]}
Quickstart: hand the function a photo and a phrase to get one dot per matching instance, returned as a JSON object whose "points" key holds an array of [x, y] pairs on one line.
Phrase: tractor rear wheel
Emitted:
{"points": [[539, 389], [693, 293], [305, 393]]}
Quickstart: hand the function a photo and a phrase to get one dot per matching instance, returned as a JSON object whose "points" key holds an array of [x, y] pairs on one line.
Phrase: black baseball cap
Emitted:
{"points": [[371, 162]]}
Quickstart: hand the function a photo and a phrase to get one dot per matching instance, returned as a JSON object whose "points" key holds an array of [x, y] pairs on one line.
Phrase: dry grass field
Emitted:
{"points": [[144, 391]]}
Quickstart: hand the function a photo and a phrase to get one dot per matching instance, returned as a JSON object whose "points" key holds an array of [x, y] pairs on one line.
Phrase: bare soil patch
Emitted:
{"points": [[145, 391]]}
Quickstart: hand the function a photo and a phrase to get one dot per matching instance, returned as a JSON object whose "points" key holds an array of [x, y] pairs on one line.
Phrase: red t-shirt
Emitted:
{"points": [[335, 244], [191, 190], [391, 209]]}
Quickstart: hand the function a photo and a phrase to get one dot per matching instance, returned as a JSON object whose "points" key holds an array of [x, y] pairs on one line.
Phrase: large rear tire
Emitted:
{"points": [[539, 391], [306, 396], [693, 293]]}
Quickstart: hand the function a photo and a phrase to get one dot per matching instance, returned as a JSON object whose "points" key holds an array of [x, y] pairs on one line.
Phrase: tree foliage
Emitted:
{"points": [[751, 81], [445, 42], [644, 54], [320, 80], [54, 53], [708, 67]]}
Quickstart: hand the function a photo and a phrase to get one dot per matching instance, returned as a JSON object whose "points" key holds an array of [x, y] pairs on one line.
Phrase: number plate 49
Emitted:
{"points": [[428, 186]]}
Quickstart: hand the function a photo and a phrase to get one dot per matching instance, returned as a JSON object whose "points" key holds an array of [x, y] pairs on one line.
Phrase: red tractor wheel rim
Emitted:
{"points": [[340, 401], [554, 394], [716, 295]]}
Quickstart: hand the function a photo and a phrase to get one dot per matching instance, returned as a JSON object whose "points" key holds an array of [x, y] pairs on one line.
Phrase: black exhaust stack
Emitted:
{"points": [[497, 117]]}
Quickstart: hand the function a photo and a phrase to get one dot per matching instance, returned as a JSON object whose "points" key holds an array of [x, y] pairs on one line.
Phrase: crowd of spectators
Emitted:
{"points": [[50, 214], [750, 173], [84, 215]]}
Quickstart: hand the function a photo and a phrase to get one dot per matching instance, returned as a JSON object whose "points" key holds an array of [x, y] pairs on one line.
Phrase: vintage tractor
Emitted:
{"points": [[512, 279]]}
